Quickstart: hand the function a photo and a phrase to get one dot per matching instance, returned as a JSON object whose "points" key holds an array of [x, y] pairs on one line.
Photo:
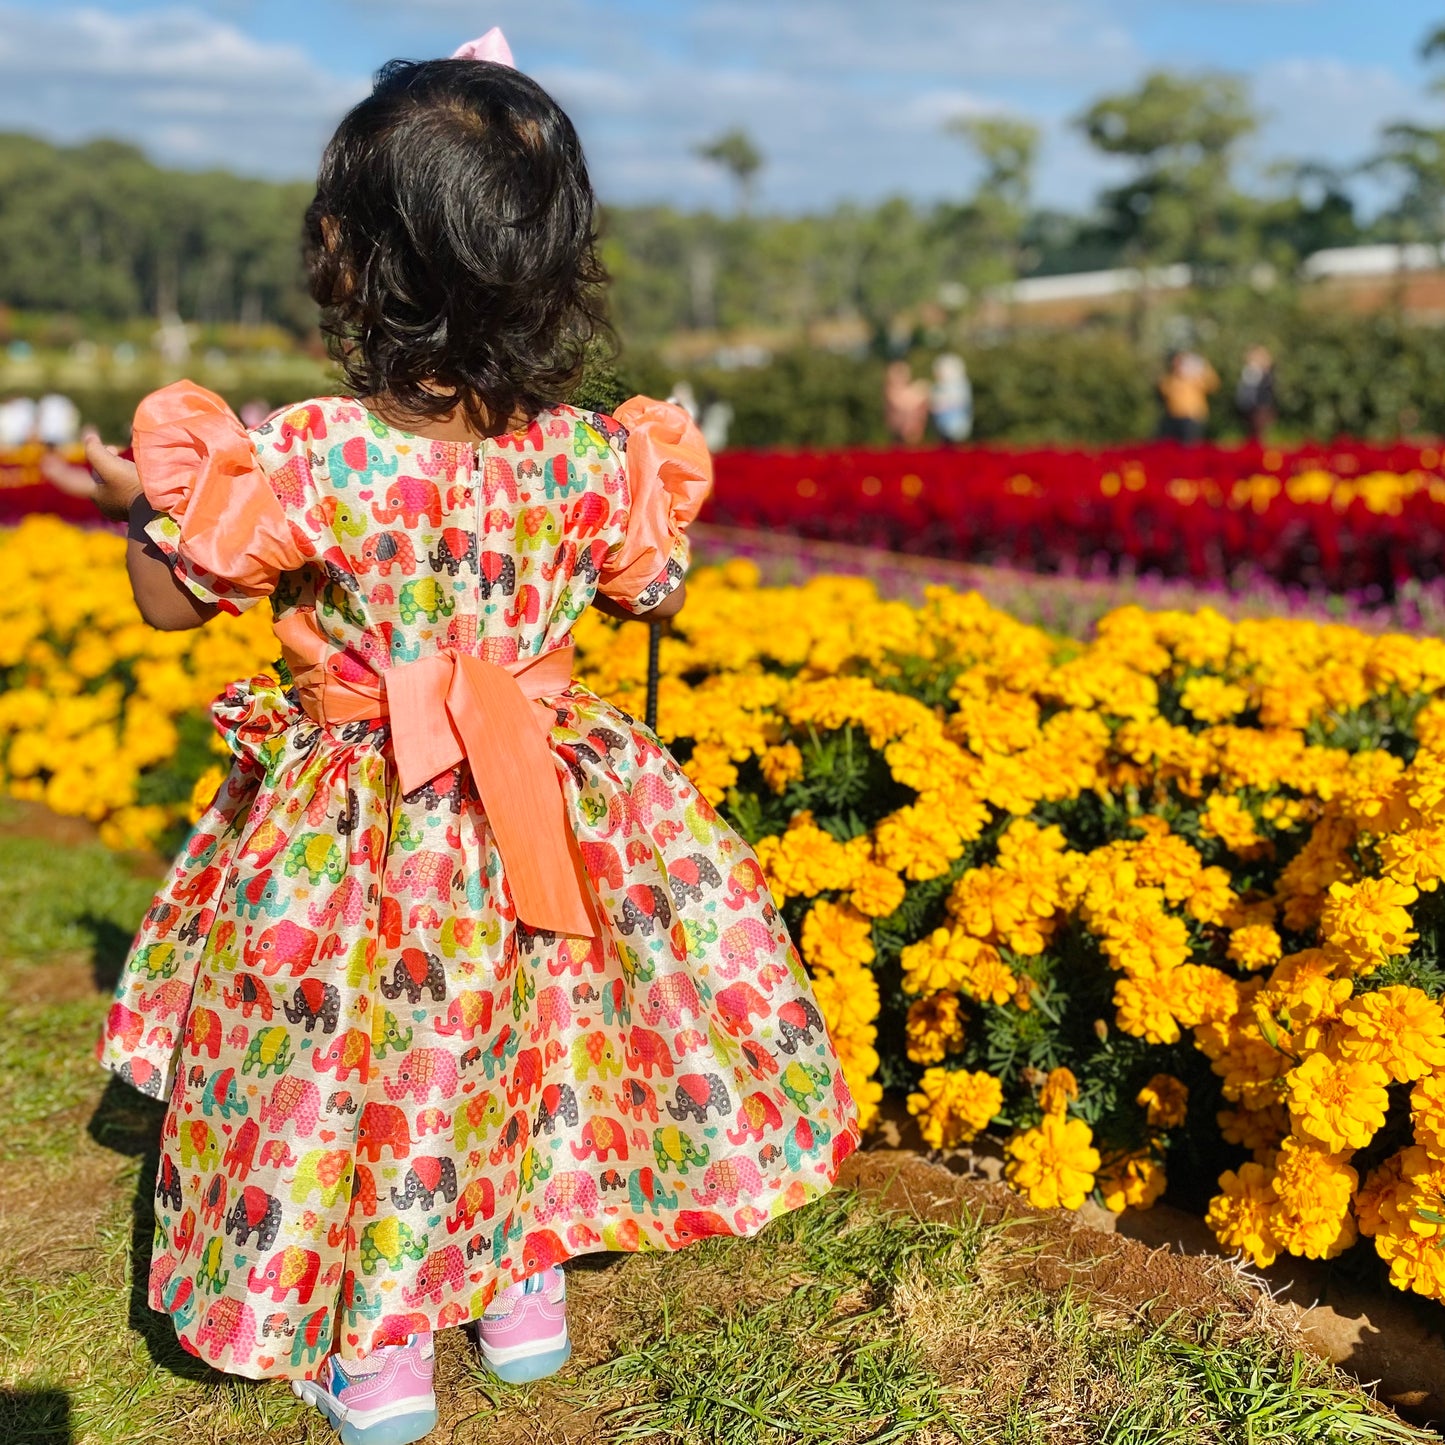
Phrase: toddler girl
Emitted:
{"points": [[458, 977]]}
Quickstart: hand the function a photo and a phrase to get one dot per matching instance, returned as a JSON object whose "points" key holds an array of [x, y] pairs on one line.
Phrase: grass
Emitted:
{"points": [[840, 1326]]}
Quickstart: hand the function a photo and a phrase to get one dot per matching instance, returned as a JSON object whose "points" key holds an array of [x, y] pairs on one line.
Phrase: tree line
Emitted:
{"points": [[100, 232]]}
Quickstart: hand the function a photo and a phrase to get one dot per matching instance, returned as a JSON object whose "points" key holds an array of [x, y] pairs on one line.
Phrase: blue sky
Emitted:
{"points": [[847, 98]]}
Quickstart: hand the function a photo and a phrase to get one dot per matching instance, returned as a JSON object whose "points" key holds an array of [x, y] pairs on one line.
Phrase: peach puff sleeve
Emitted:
{"points": [[669, 474], [221, 525]]}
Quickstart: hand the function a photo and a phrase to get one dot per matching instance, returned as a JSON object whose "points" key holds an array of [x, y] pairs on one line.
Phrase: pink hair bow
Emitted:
{"points": [[491, 46]]}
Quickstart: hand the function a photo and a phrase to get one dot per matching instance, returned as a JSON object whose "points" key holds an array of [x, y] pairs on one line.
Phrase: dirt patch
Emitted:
{"points": [[1162, 1262], [21, 819], [1376, 1334]]}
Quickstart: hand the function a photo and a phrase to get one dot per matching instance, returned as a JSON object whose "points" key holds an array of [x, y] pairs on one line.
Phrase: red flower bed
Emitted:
{"points": [[1344, 516]]}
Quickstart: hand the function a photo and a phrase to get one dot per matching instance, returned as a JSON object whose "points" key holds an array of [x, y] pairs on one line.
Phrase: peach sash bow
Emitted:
{"points": [[453, 707]]}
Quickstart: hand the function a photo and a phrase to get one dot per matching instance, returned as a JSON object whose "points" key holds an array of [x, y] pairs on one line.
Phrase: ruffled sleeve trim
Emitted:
{"points": [[669, 474], [221, 526]]}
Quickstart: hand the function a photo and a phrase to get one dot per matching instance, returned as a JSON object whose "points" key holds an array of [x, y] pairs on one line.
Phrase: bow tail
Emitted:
{"points": [[518, 786]]}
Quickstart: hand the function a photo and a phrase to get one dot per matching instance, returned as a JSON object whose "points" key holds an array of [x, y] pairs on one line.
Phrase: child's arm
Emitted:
{"points": [[162, 599], [670, 606]]}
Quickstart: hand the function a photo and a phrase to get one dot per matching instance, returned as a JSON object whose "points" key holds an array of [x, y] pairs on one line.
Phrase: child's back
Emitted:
{"points": [[458, 976], [390, 1092]]}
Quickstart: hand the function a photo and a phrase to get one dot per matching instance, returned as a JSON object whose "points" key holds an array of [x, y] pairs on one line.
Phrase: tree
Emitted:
{"points": [[1414, 155], [991, 224], [735, 152], [1183, 135]]}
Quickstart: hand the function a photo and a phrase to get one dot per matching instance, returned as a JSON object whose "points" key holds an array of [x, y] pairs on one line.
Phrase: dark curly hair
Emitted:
{"points": [[452, 244]]}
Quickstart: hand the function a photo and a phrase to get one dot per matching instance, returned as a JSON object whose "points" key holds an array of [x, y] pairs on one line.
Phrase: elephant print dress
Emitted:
{"points": [[458, 976]]}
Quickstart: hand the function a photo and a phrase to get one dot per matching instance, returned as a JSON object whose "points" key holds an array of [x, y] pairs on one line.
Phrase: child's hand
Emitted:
{"points": [[117, 482]]}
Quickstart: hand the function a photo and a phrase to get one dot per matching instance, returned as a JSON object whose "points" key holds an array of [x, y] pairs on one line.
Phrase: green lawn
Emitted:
{"points": [[839, 1325]]}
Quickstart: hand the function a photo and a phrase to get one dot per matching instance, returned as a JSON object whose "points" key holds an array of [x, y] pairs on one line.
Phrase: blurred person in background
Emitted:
{"points": [[1254, 397], [951, 400], [1184, 389], [905, 404], [716, 421], [57, 421], [255, 411], [17, 422]]}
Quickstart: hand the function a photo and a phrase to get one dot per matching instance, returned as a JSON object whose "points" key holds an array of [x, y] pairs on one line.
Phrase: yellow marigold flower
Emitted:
{"points": [[1339, 1103], [1254, 1129], [934, 1027], [1430, 725], [1383, 1204], [1131, 1181], [1143, 940], [1199, 994], [1053, 1164], [1143, 1013], [878, 891], [1369, 921], [835, 935], [134, 828], [1001, 906], [989, 979], [1000, 722], [920, 841], [1314, 1189], [1212, 896], [1166, 1099], [1213, 700], [1427, 1112], [712, 771], [954, 1105], [1239, 1054], [1415, 856], [936, 962], [1255, 946], [1165, 861], [781, 764], [1059, 1089], [1241, 1216], [1226, 818], [204, 793], [1402, 1029]]}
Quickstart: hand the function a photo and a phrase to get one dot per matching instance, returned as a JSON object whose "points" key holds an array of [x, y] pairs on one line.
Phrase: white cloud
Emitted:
{"points": [[1322, 105], [846, 98], [187, 87]]}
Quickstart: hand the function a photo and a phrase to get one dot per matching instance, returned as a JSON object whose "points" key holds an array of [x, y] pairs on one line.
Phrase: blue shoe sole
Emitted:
{"points": [[402, 1430], [520, 1372]]}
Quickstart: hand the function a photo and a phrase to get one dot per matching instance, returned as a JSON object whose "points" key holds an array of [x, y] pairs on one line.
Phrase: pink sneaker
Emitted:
{"points": [[385, 1399], [523, 1334]]}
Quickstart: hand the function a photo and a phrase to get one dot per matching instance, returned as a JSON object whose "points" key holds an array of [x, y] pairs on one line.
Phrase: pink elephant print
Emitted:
{"points": [[421, 1071], [445, 1270], [423, 873], [672, 997], [736, 1006], [293, 1100], [229, 1324], [571, 1193], [740, 944], [727, 1178], [411, 499]]}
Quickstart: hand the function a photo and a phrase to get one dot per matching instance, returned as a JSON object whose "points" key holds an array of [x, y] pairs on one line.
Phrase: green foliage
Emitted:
{"points": [[1182, 135], [99, 230]]}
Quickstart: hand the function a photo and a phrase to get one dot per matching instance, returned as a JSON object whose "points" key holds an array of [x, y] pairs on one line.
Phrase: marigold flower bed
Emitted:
{"points": [[1328, 517], [1165, 901]]}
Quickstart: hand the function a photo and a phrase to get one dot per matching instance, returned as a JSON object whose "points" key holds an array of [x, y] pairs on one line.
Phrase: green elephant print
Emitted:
{"points": [[424, 597], [317, 855]]}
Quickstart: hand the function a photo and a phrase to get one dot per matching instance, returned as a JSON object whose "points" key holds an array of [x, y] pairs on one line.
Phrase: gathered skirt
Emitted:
{"points": [[389, 1097]]}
